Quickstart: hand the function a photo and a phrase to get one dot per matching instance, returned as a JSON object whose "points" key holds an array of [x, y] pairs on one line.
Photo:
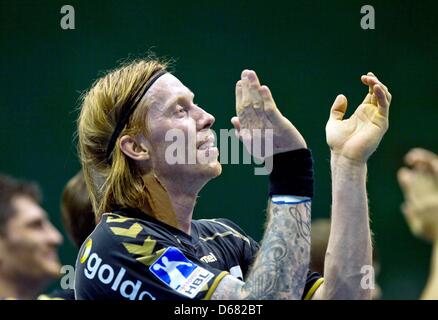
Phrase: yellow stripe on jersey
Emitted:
{"points": [[231, 232], [215, 284], [149, 260], [312, 290], [131, 232], [117, 219], [217, 234], [146, 249]]}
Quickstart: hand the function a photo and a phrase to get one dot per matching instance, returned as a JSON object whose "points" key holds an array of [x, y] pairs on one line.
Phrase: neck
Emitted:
{"points": [[172, 200], [183, 203], [19, 288]]}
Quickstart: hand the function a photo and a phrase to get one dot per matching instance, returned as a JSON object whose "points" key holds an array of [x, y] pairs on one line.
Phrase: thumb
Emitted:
{"points": [[236, 124], [404, 178], [339, 108]]}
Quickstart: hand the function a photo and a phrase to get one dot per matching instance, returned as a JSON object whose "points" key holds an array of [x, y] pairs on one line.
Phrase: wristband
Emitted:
{"points": [[292, 174]]}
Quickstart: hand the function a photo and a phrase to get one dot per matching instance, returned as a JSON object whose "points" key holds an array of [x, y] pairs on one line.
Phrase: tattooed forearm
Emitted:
{"points": [[279, 272], [303, 223]]}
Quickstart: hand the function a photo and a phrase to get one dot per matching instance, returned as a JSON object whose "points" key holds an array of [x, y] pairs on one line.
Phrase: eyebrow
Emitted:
{"points": [[180, 97]]}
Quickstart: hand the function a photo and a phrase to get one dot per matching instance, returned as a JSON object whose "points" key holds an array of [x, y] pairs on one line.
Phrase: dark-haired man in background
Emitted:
{"points": [[28, 241]]}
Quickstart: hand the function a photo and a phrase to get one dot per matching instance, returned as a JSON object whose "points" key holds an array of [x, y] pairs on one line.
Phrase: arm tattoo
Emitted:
{"points": [[280, 269], [303, 223]]}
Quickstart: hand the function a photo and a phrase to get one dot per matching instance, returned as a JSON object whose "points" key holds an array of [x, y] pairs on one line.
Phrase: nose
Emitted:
{"points": [[54, 236], [205, 120]]}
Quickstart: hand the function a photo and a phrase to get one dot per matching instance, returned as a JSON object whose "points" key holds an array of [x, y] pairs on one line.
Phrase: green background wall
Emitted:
{"points": [[306, 51]]}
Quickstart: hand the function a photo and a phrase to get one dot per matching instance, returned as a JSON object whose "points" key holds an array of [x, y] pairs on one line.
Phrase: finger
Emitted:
{"points": [[382, 102], [246, 96], [373, 76], [254, 86], [418, 156], [338, 108], [238, 97], [256, 98], [274, 115], [366, 81], [244, 74], [370, 98], [236, 123], [404, 178], [254, 90], [370, 80]]}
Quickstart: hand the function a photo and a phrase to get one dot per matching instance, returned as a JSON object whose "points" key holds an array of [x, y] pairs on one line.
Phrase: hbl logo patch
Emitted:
{"points": [[179, 273]]}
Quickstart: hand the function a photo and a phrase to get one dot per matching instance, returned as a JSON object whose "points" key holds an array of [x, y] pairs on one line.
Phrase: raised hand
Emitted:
{"points": [[256, 109], [419, 184], [423, 160], [357, 138]]}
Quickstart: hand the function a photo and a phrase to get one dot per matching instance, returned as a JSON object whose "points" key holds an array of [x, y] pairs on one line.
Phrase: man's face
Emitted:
{"points": [[172, 108], [30, 243]]}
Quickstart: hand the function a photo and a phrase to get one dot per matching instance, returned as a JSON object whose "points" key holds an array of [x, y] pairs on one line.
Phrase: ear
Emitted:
{"points": [[135, 147]]}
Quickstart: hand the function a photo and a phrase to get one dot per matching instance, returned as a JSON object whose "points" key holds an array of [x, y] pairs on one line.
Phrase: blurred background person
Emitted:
{"points": [[320, 234], [79, 221], [28, 241], [419, 183], [76, 210]]}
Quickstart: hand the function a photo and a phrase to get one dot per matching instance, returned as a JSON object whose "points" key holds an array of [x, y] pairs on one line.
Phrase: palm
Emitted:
{"points": [[357, 138], [421, 201]]}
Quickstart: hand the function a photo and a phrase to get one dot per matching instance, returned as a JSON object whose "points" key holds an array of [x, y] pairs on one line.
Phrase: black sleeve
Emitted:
{"points": [[249, 248]]}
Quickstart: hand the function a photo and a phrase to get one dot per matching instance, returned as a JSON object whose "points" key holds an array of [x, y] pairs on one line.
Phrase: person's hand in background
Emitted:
{"points": [[419, 184]]}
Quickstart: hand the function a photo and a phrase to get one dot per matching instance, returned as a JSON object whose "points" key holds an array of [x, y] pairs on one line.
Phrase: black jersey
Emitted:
{"points": [[132, 256]]}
